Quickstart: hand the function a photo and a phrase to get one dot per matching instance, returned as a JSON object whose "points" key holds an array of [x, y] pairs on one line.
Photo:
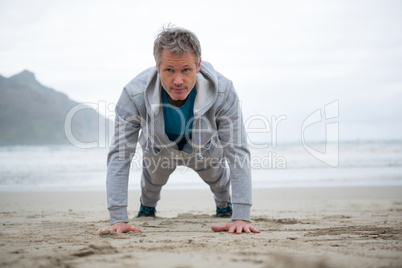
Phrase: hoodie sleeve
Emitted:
{"points": [[232, 135], [122, 150]]}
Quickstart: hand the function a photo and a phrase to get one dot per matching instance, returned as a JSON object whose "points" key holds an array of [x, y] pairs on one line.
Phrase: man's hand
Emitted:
{"points": [[237, 226], [120, 227]]}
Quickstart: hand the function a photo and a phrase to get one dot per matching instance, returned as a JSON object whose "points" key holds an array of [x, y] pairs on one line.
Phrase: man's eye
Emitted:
{"points": [[185, 70], [169, 70]]}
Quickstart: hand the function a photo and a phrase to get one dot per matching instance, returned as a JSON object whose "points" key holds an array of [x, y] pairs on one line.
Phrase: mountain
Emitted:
{"points": [[33, 114]]}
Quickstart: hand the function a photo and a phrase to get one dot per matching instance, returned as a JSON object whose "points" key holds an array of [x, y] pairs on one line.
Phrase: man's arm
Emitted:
{"points": [[127, 126], [232, 135]]}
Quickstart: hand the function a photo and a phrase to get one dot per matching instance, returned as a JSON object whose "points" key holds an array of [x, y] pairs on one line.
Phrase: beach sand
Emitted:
{"points": [[303, 227]]}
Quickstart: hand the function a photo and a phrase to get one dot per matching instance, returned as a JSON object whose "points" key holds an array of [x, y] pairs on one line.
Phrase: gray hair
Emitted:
{"points": [[176, 40]]}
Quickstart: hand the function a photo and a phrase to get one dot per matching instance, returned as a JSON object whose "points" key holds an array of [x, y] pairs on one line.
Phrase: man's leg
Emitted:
{"points": [[155, 174], [217, 176]]}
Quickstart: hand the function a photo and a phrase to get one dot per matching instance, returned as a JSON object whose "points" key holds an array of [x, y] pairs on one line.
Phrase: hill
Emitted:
{"points": [[33, 114]]}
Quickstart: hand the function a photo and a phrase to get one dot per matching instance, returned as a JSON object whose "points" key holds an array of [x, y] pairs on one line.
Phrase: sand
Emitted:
{"points": [[304, 227]]}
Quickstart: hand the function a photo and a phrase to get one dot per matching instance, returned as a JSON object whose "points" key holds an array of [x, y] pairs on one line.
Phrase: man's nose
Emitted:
{"points": [[178, 80]]}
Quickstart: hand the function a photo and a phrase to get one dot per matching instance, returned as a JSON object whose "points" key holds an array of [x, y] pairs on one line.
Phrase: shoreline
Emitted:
{"points": [[202, 187], [205, 187]]}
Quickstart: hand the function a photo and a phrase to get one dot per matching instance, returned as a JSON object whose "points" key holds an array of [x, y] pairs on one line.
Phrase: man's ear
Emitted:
{"points": [[199, 66], [157, 69]]}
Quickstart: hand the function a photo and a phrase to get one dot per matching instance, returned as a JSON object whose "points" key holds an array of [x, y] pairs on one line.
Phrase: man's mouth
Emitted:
{"points": [[178, 89]]}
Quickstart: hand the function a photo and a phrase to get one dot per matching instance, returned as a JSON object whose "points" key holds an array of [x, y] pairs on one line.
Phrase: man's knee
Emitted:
{"points": [[215, 176]]}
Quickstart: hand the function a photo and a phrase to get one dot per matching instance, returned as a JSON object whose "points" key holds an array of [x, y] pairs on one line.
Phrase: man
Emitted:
{"points": [[189, 115]]}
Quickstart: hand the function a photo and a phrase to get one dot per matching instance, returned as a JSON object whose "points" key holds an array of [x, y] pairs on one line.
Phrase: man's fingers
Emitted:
{"points": [[126, 229], [134, 229], [235, 227], [232, 229], [255, 230], [100, 230], [104, 229], [120, 229], [219, 228]]}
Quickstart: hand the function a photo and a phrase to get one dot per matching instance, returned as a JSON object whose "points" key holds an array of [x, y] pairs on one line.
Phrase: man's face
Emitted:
{"points": [[178, 73]]}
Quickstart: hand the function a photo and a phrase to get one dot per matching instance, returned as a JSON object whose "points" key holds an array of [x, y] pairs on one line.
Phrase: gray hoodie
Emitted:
{"points": [[217, 125]]}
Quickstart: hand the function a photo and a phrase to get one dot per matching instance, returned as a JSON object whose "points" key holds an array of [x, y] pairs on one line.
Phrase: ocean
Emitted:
{"points": [[67, 168]]}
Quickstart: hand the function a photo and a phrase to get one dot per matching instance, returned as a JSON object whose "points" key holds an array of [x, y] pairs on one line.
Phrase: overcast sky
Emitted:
{"points": [[284, 57]]}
